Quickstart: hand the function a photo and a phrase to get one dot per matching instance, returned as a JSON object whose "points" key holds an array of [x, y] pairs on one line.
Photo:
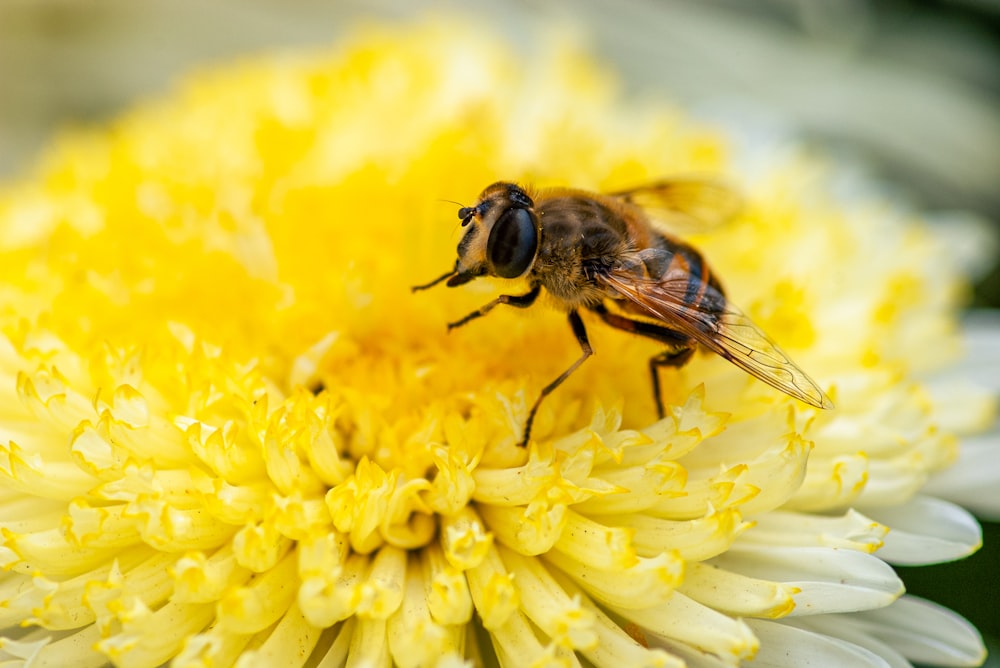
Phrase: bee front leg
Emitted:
{"points": [[520, 301], [581, 337]]}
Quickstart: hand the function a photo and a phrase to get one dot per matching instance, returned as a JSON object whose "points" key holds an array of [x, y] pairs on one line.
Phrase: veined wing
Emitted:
{"points": [[686, 203], [720, 327]]}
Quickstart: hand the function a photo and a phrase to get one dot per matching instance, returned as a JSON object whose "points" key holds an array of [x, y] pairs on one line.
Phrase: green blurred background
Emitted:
{"points": [[909, 89]]}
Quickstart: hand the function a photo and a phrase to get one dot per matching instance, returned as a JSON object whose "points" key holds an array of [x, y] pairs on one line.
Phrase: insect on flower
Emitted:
{"points": [[602, 252]]}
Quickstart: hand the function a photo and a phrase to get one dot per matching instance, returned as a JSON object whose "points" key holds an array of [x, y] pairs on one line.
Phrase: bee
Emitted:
{"points": [[602, 252]]}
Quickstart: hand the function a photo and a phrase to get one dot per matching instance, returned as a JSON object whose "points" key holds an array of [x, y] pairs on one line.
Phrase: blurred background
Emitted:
{"points": [[910, 89]]}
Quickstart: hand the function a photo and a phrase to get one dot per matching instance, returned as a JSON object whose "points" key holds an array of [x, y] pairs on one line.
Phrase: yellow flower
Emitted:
{"points": [[178, 286]]}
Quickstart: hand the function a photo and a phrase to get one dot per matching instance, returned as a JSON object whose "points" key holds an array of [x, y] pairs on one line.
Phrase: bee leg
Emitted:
{"points": [[681, 346], [581, 337], [676, 358], [520, 301]]}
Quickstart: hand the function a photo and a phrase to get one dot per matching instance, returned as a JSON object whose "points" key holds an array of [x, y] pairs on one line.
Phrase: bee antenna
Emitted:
{"points": [[464, 212]]}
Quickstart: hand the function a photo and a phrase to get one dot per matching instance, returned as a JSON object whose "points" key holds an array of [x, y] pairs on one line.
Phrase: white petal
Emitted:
{"points": [[851, 530], [971, 240], [694, 658], [783, 646], [684, 620], [925, 530], [829, 579], [974, 480], [844, 628], [923, 632], [982, 345], [961, 406]]}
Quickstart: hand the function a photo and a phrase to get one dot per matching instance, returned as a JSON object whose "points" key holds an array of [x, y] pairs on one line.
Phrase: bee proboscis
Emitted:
{"points": [[602, 252]]}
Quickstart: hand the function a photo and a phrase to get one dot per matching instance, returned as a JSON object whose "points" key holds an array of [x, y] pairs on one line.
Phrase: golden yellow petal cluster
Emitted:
{"points": [[229, 433]]}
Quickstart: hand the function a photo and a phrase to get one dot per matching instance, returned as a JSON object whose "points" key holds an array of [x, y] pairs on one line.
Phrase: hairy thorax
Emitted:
{"points": [[580, 237]]}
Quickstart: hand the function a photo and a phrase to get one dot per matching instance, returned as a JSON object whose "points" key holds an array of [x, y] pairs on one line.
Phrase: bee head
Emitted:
{"points": [[502, 235]]}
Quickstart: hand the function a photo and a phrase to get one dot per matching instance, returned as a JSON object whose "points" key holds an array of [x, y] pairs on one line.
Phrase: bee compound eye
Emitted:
{"points": [[512, 244]]}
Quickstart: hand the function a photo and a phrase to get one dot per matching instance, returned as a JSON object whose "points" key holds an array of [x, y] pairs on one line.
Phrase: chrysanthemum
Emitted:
{"points": [[230, 434]]}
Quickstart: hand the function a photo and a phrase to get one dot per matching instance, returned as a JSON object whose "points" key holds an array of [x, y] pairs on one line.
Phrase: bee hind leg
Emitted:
{"points": [[681, 349], [675, 358]]}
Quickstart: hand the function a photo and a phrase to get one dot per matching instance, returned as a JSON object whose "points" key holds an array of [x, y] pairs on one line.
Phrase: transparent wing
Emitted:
{"points": [[685, 203], [720, 327]]}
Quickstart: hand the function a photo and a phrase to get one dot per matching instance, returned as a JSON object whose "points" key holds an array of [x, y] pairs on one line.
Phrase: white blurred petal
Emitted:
{"points": [[974, 480], [981, 365], [971, 240], [961, 406]]}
